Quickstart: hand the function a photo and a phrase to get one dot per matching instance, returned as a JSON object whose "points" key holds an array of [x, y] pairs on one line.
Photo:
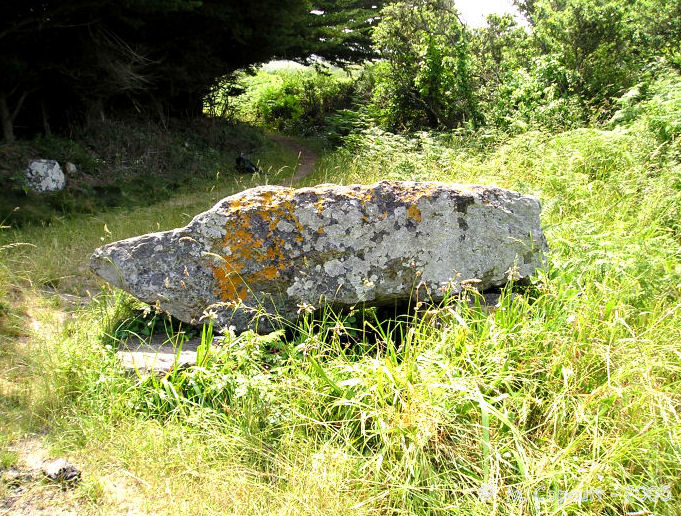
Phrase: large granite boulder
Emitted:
{"points": [[266, 253], [45, 175]]}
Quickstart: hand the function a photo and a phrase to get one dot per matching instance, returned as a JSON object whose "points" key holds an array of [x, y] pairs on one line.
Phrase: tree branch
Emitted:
{"points": [[17, 108]]}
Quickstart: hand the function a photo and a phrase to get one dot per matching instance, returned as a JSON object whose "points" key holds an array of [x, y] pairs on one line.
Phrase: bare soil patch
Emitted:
{"points": [[307, 158]]}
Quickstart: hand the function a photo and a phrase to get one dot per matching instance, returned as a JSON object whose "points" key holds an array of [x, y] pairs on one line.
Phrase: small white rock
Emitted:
{"points": [[61, 470], [45, 175]]}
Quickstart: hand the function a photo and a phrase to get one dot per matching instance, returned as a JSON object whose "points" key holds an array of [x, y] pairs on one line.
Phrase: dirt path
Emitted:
{"points": [[27, 491], [307, 159]]}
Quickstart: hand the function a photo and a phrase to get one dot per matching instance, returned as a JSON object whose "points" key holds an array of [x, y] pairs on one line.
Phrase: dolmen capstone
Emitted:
{"points": [[259, 257]]}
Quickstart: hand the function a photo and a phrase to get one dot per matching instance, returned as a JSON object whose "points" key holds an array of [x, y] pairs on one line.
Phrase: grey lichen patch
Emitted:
{"points": [[270, 249]]}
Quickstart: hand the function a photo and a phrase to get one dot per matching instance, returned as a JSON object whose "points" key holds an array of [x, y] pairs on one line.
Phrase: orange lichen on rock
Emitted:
{"points": [[269, 273], [414, 213], [320, 206], [231, 285], [256, 238], [363, 195], [411, 194], [242, 244], [251, 259]]}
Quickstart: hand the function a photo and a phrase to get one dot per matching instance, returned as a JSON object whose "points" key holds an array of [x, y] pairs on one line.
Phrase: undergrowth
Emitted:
{"points": [[126, 163], [293, 101]]}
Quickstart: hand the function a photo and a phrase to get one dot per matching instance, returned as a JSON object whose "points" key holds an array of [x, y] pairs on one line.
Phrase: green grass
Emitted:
{"points": [[570, 385], [128, 164]]}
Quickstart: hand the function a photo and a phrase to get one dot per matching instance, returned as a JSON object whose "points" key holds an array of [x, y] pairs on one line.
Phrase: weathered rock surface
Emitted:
{"points": [[62, 471], [45, 175], [70, 168], [267, 251], [158, 354]]}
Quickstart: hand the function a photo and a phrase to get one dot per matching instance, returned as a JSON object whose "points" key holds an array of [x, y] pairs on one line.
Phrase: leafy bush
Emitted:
{"points": [[345, 122], [534, 99], [597, 43], [663, 111], [425, 81], [657, 106], [293, 101]]}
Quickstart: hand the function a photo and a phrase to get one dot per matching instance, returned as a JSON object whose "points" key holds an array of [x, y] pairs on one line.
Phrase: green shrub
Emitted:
{"points": [[293, 101], [425, 80], [533, 99], [663, 111]]}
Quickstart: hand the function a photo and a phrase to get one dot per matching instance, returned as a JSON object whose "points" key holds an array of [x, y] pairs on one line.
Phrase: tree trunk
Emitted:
{"points": [[46, 119], [6, 120]]}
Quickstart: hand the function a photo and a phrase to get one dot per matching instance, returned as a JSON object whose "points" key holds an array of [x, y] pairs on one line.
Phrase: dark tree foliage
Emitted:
{"points": [[339, 31], [64, 59]]}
